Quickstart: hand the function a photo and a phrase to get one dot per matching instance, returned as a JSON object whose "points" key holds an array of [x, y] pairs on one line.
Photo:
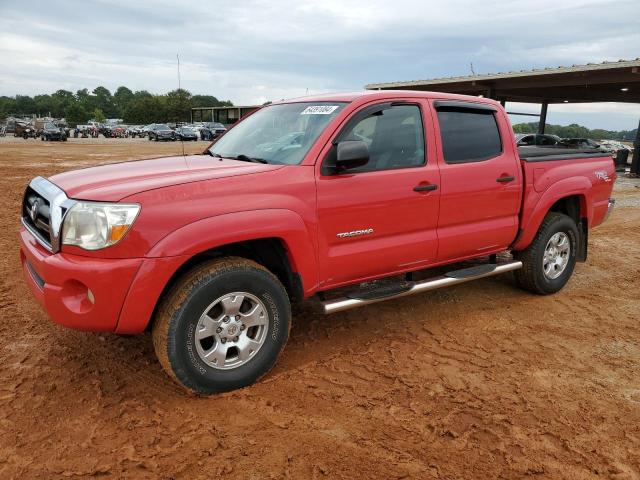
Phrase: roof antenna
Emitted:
{"points": [[179, 93], [472, 71]]}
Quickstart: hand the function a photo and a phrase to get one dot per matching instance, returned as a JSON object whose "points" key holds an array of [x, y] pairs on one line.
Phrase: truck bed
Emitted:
{"points": [[585, 174], [545, 154]]}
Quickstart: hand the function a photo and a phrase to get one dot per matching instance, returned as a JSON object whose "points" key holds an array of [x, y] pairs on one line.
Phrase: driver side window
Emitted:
{"points": [[394, 137]]}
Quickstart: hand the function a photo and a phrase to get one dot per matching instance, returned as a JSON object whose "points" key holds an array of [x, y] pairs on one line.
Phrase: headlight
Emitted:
{"points": [[93, 225]]}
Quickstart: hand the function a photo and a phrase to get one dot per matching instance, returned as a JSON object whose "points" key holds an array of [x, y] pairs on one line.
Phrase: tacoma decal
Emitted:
{"points": [[355, 233]]}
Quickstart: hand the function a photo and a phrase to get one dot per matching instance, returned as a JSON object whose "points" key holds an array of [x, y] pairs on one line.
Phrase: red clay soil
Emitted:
{"points": [[478, 381]]}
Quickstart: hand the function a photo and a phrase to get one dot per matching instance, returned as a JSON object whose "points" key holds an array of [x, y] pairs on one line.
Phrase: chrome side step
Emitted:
{"points": [[451, 278]]}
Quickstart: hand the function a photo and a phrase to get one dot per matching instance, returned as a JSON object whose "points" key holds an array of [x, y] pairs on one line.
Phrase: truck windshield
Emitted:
{"points": [[281, 134]]}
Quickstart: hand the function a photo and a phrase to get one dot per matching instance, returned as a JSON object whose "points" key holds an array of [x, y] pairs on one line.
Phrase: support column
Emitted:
{"points": [[635, 162], [543, 117]]}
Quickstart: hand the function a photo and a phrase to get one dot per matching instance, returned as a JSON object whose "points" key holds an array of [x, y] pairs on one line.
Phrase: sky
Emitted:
{"points": [[251, 51]]}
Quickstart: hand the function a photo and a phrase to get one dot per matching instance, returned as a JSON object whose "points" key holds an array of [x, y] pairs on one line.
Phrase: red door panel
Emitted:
{"points": [[395, 225], [402, 223], [478, 213]]}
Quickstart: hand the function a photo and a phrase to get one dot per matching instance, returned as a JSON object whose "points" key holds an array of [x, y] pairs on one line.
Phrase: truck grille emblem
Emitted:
{"points": [[33, 211]]}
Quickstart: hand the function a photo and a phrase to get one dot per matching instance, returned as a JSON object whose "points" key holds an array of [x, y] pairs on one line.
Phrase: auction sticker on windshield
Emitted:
{"points": [[319, 110]]}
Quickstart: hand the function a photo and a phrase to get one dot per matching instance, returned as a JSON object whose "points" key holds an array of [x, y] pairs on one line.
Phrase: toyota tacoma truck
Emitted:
{"points": [[339, 197]]}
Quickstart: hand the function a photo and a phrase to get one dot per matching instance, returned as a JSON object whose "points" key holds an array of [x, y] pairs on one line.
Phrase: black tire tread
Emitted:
{"points": [[180, 292], [526, 276]]}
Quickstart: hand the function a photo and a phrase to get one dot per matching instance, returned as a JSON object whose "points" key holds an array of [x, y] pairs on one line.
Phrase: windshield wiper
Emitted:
{"points": [[242, 157], [245, 158]]}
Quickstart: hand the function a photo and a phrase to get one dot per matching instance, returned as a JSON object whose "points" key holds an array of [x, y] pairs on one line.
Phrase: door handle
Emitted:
{"points": [[505, 179], [425, 188]]}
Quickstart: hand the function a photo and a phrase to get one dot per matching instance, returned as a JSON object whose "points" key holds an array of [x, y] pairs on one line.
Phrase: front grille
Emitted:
{"points": [[43, 209], [36, 213]]}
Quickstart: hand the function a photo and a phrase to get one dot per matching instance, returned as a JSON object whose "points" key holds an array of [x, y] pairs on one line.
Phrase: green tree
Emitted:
{"points": [[98, 116], [178, 105], [209, 101], [75, 114], [146, 108], [62, 100], [7, 106], [25, 105], [122, 97], [104, 101]]}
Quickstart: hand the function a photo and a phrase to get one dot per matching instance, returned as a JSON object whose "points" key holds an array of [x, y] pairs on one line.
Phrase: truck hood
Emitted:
{"points": [[116, 181]]}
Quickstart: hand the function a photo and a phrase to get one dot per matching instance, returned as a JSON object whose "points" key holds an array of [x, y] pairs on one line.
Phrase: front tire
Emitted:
{"points": [[550, 259], [222, 326]]}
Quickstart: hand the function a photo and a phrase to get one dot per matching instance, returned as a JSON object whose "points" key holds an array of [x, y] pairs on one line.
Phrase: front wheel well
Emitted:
{"points": [[271, 253]]}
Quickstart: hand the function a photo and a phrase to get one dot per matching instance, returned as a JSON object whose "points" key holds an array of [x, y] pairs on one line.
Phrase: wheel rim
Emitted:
{"points": [[556, 255], [231, 330]]}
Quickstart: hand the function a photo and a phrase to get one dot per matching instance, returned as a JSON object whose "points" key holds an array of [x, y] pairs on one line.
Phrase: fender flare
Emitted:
{"points": [[538, 208], [177, 248], [220, 230]]}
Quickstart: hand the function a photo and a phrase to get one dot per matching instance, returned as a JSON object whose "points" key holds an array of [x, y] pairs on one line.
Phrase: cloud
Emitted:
{"points": [[255, 50]]}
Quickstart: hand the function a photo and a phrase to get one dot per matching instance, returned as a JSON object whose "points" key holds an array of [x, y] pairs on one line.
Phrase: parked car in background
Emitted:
{"points": [[131, 131], [211, 130], [615, 146], [24, 130], [186, 134], [50, 131], [216, 128], [584, 143], [144, 131], [536, 139], [161, 131]]}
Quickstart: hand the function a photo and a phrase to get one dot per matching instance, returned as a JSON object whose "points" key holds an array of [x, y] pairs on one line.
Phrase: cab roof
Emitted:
{"points": [[368, 95]]}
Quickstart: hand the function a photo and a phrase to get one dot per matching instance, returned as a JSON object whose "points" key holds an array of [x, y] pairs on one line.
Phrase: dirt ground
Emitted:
{"points": [[474, 382]]}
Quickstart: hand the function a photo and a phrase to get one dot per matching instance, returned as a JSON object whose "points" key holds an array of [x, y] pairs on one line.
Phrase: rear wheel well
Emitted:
{"points": [[574, 206], [271, 253], [571, 206]]}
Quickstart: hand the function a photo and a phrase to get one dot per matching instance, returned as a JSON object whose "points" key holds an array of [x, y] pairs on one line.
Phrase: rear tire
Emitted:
{"points": [[550, 259], [222, 326]]}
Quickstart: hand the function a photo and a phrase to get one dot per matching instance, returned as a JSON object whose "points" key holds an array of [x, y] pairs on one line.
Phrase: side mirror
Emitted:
{"points": [[351, 154]]}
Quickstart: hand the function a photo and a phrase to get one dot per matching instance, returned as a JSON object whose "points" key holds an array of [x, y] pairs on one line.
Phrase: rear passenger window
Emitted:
{"points": [[468, 135]]}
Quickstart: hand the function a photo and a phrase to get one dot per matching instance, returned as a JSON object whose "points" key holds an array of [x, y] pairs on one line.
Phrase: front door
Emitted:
{"points": [[382, 217]]}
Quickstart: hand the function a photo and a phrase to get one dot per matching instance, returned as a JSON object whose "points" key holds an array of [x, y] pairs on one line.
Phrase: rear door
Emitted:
{"points": [[480, 180], [381, 218]]}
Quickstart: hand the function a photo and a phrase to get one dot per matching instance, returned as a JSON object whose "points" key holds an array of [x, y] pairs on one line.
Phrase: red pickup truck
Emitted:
{"points": [[348, 193]]}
